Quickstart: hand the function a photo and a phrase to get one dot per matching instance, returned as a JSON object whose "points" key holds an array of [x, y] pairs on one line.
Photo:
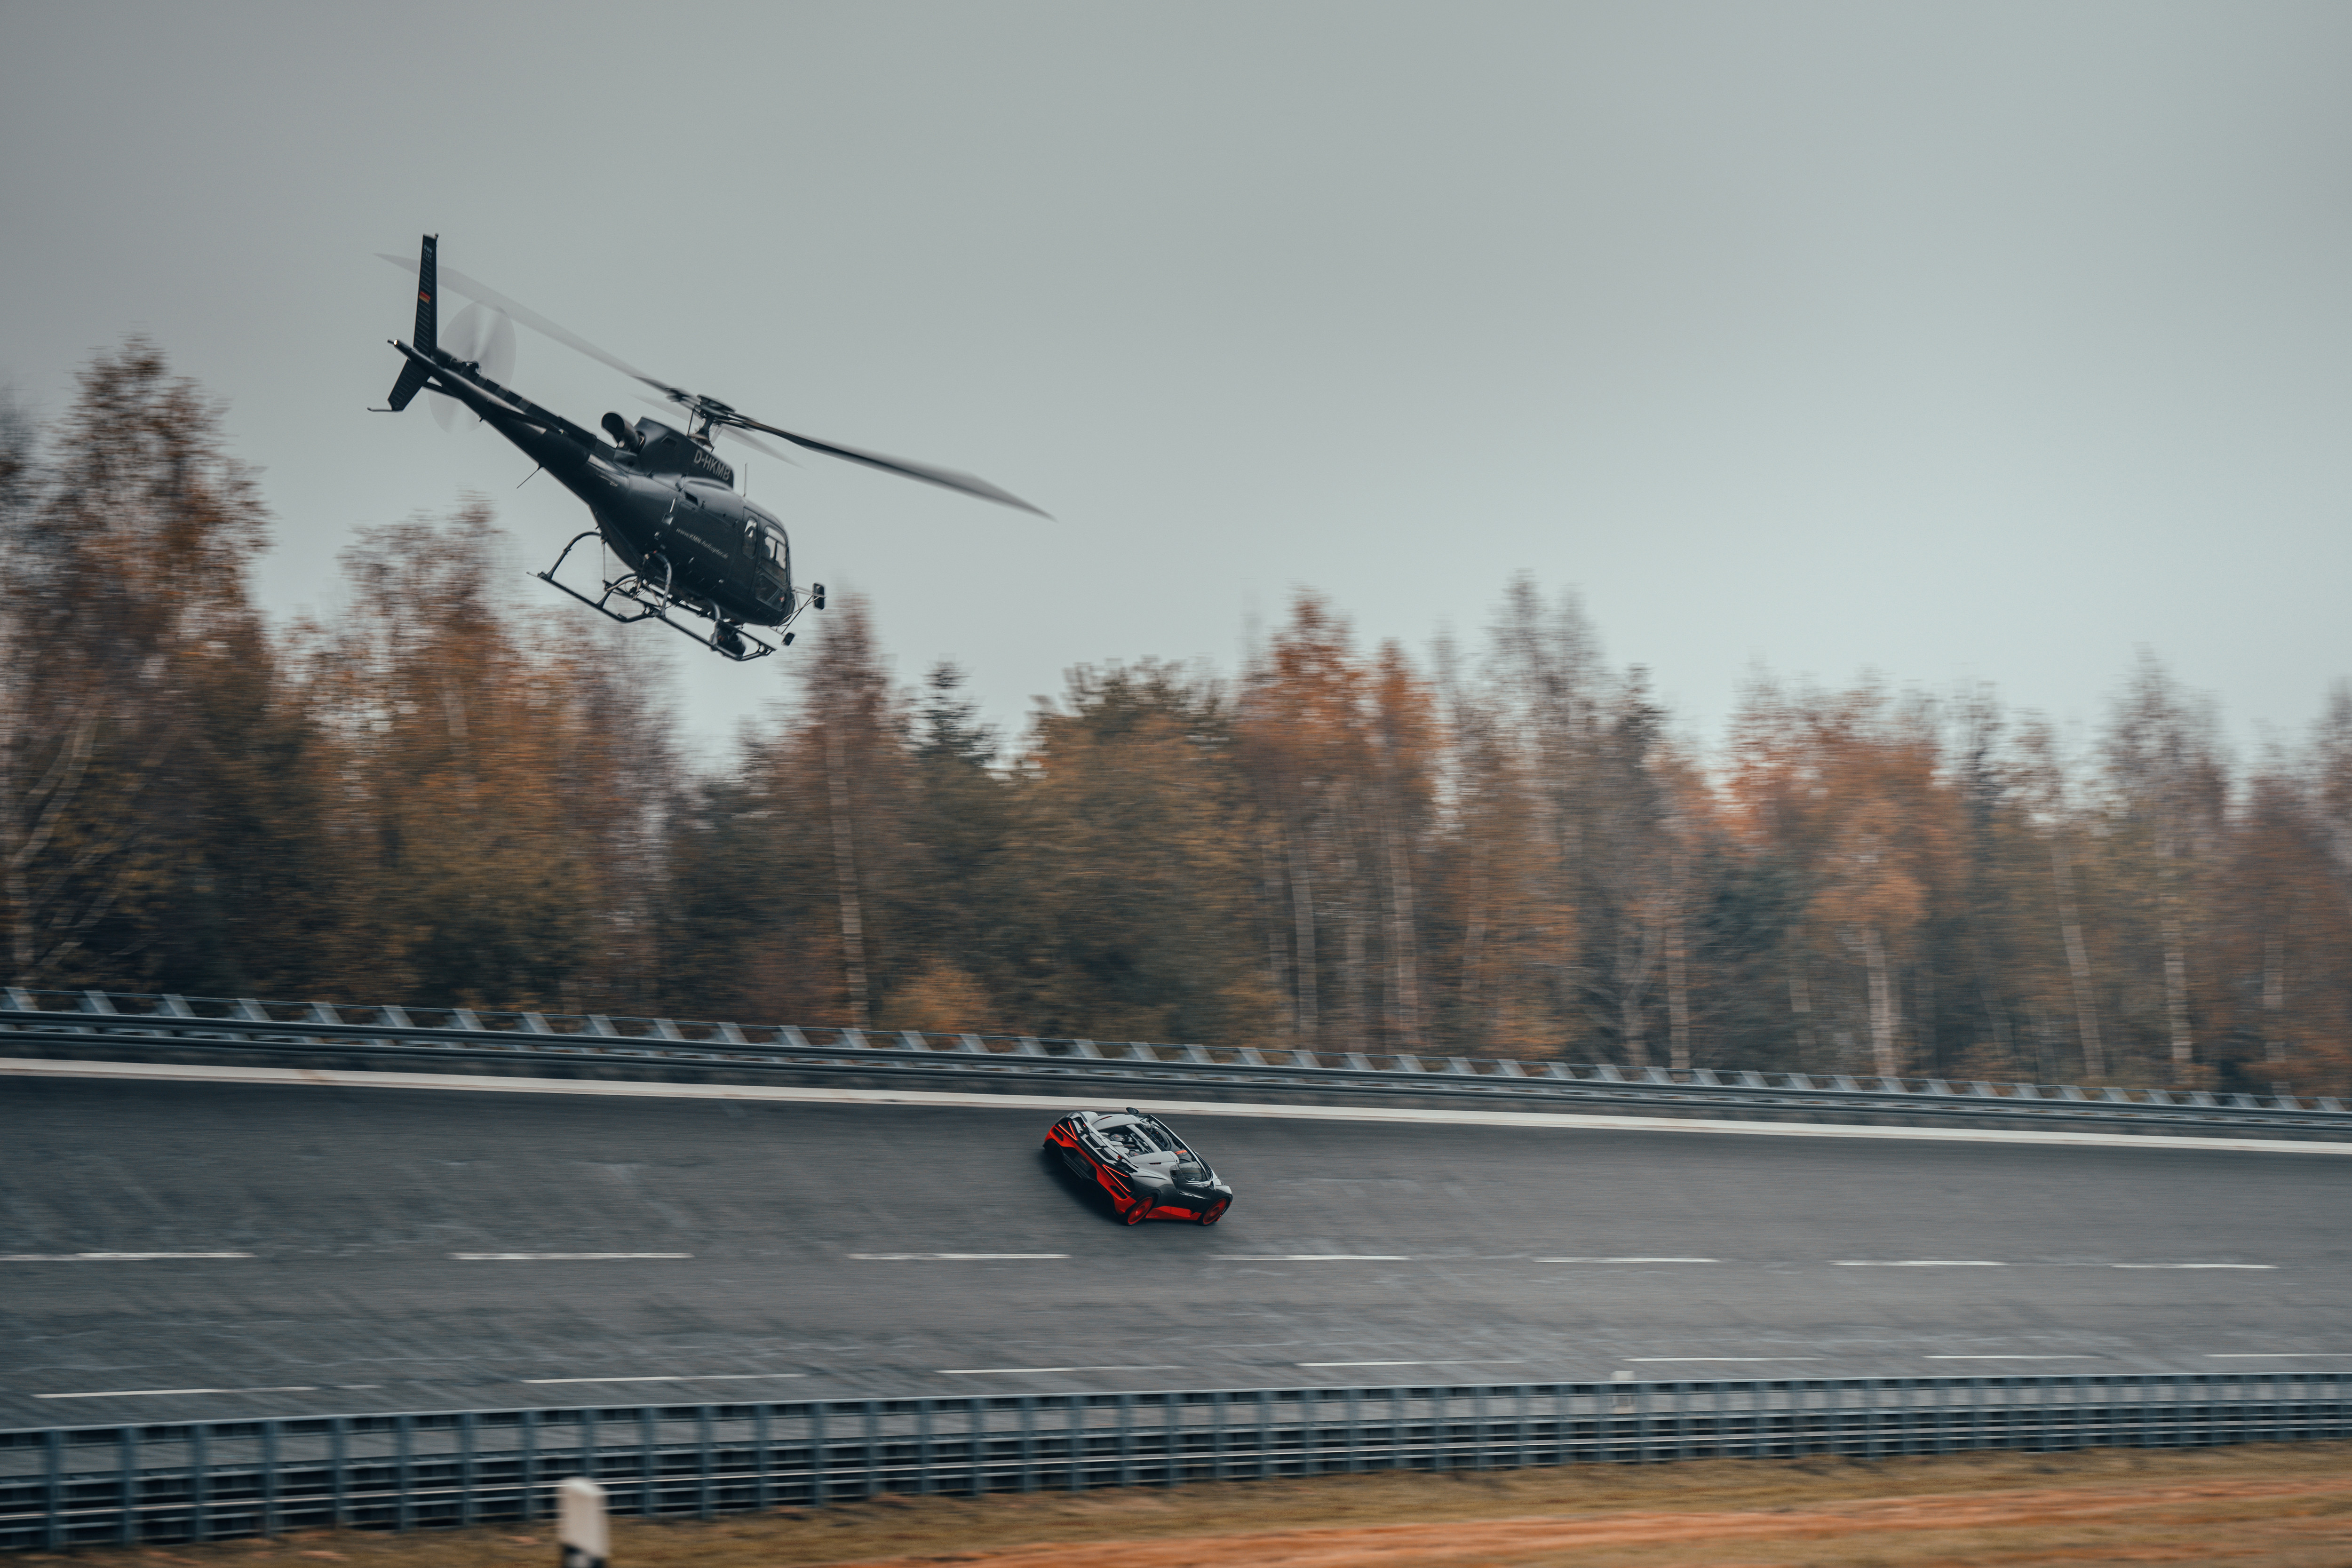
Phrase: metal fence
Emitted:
{"points": [[214, 1479], [360, 1037]]}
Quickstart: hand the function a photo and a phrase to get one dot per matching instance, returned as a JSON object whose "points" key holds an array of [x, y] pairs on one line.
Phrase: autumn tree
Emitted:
{"points": [[498, 784], [2167, 795], [1137, 848], [156, 825]]}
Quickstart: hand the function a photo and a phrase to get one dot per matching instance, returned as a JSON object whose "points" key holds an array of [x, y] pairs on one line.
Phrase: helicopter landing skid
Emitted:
{"points": [[654, 602]]}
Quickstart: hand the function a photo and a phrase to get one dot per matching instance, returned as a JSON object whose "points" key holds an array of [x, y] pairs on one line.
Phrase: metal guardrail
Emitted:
{"points": [[553, 1045], [212, 1480]]}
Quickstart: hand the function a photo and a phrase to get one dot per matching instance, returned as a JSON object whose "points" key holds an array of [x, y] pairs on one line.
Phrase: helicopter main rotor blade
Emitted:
{"points": [[453, 279], [713, 412], [760, 447], [946, 478]]}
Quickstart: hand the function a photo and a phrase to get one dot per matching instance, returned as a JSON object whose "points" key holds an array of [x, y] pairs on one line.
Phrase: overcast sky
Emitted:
{"points": [[1971, 341]]}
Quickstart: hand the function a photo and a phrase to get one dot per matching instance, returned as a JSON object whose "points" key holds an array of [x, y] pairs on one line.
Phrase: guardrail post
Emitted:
{"points": [[649, 1463], [127, 1458], [583, 1531], [703, 1499], [759, 1452], [1028, 1442], [269, 1479], [873, 1447], [527, 1467], [820, 1461], [1127, 1439], [466, 1468], [200, 1490], [923, 1486], [404, 1507], [53, 1495]]}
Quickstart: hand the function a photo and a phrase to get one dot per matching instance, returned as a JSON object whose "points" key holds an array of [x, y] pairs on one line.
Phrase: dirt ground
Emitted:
{"points": [[2288, 1505]]}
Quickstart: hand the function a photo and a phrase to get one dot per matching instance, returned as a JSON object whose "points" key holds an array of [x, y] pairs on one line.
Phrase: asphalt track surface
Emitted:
{"points": [[400, 1249]]}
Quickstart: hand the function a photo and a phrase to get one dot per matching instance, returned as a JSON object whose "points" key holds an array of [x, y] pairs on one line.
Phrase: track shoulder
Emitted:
{"points": [[1392, 1115]]}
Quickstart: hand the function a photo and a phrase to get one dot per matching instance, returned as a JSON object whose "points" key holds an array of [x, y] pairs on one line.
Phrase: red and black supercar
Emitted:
{"points": [[1137, 1160]]}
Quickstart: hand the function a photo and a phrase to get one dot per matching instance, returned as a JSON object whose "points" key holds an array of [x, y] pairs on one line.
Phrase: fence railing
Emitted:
{"points": [[558, 1045], [212, 1480]]}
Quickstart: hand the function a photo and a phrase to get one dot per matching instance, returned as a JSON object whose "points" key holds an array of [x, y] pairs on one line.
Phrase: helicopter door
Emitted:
{"points": [[771, 558]]}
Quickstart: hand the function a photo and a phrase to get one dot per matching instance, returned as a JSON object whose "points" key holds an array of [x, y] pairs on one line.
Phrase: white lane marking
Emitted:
{"points": [[2013, 1358], [190, 1072], [1723, 1358], [160, 1393], [108, 1257], [2193, 1266], [673, 1377], [1311, 1257], [1440, 1361], [1916, 1263], [1628, 1260], [560, 1256], [1017, 1370], [951, 1257], [2269, 1355]]}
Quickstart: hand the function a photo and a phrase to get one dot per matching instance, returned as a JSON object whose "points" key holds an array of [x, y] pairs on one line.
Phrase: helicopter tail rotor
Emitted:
{"points": [[484, 338]]}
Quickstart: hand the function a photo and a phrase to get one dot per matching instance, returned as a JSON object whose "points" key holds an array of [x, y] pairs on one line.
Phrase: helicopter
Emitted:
{"points": [[663, 499]]}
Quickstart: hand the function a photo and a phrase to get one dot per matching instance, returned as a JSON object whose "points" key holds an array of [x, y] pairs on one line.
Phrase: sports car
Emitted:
{"points": [[1137, 1160]]}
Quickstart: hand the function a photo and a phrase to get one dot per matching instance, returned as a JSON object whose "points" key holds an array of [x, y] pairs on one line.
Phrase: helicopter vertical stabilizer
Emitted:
{"points": [[413, 375]]}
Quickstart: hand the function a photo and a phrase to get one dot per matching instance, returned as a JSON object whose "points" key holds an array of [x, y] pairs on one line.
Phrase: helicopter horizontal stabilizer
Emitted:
{"points": [[416, 371], [482, 399]]}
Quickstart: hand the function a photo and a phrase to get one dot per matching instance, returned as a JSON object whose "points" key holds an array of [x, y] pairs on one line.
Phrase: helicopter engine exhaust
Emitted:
{"points": [[628, 439]]}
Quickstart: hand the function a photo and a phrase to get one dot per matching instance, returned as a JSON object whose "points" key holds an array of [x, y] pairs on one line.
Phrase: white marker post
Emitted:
{"points": [[587, 1540]]}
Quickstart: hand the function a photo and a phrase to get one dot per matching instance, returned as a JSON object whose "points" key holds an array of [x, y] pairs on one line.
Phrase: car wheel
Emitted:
{"points": [[1135, 1209], [1217, 1212]]}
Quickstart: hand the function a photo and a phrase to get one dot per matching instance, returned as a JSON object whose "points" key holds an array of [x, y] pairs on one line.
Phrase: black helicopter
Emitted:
{"points": [[663, 500]]}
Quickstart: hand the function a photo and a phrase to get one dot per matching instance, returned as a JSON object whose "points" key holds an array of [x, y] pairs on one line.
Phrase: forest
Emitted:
{"points": [[448, 797]]}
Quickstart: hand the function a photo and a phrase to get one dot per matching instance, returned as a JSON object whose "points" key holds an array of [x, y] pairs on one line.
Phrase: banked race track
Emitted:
{"points": [[180, 1243]]}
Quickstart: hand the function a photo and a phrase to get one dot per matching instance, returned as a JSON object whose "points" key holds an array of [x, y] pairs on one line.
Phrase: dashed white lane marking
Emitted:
{"points": [[564, 1257], [954, 1256], [32, 1066], [1017, 1370], [1627, 1260], [1916, 1263], [1441, 1361], [160, 1393], [1990, 1357], [109, 1257], [1311, 1257], [675, 1377], [1658, 1358], [2193, 1266]]}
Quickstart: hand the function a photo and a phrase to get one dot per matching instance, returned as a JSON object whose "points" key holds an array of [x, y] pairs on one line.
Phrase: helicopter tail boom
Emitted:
{"points": [[419, 369]]}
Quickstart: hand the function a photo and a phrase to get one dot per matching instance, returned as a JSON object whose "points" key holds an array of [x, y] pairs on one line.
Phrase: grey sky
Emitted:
{"points": [[1978, 341]]}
